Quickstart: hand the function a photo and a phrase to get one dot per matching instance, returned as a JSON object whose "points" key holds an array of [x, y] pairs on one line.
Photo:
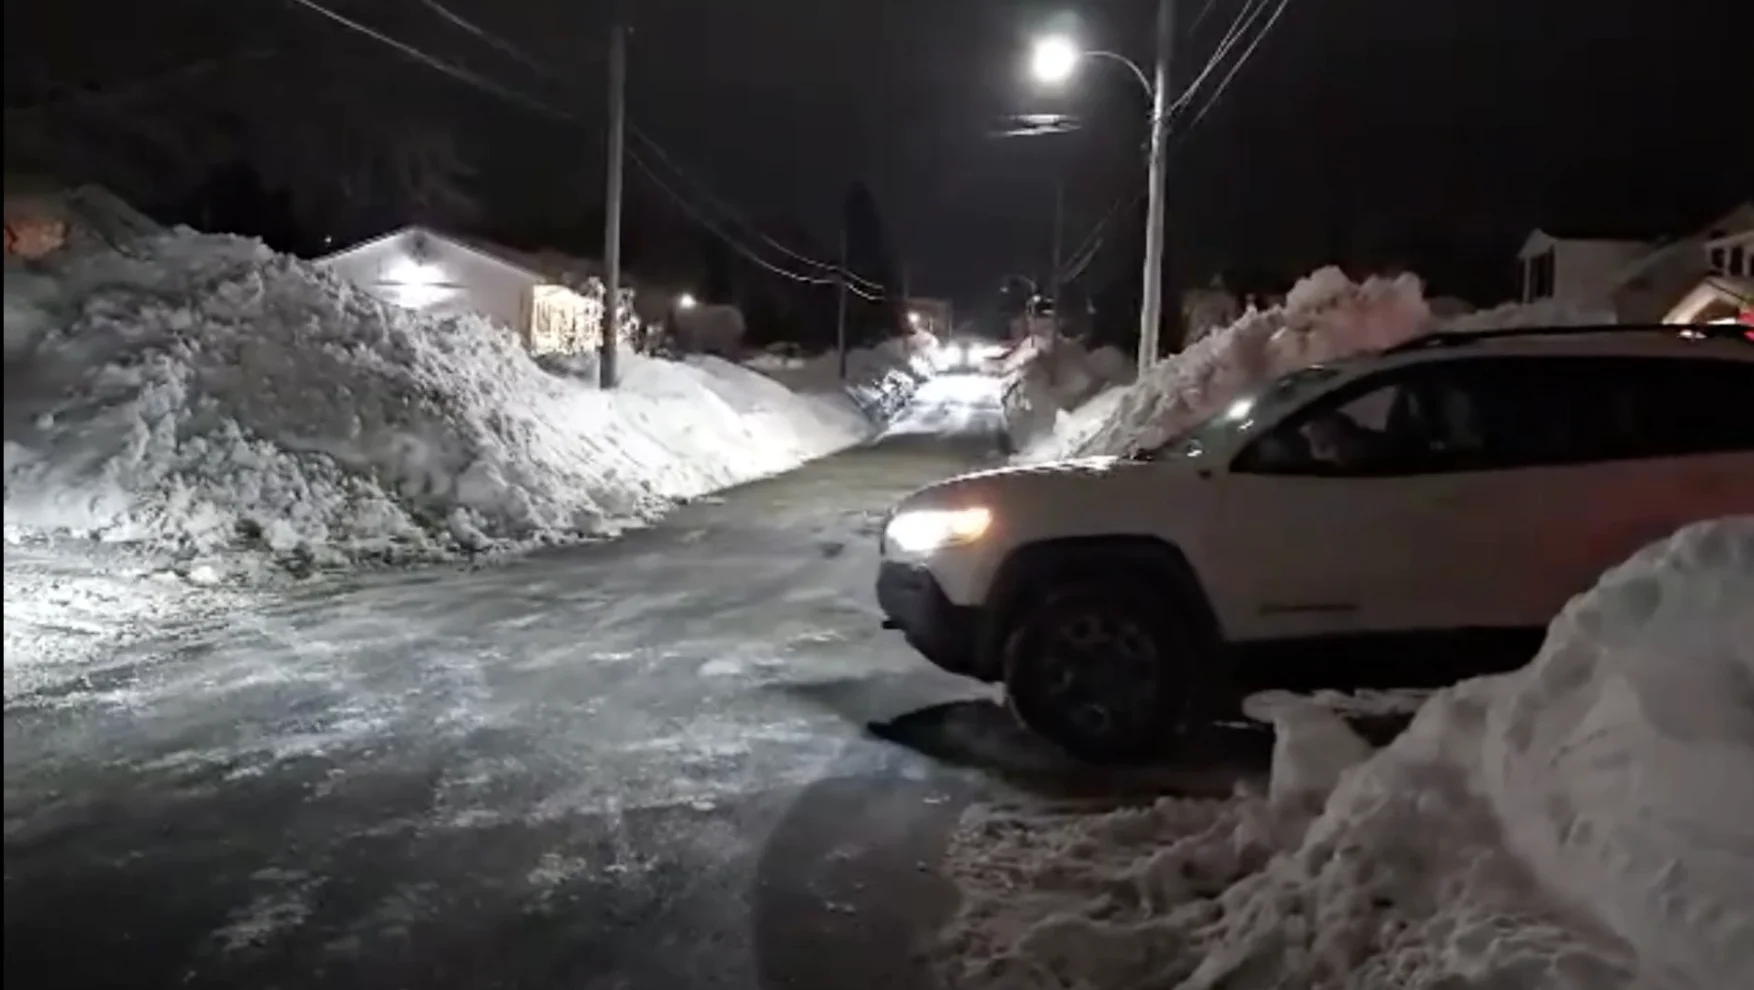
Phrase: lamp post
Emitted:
{"points": [[1053, 61]]}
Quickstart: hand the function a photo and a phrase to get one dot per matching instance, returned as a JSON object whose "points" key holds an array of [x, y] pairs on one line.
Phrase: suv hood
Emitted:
{"points": [[995, 482]]}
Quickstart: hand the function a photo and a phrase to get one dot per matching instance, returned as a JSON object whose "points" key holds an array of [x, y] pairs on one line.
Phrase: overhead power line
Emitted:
{"points": [[517, 54], [687, 207], [1081, 258]]}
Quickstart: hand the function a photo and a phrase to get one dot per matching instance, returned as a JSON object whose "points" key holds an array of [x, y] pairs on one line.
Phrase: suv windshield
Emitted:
{"points": [[1240, 415]]}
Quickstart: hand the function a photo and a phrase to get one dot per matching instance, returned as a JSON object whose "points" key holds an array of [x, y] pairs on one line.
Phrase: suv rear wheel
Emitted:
{"points": [[1104, 669]]}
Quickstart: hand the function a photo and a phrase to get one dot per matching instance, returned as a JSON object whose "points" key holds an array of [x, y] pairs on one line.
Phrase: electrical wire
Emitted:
{"points": [[1238, 27], [518, 55], [1252, 10], [492, 40], [1241, 61], [734, 217], [458, 73], [742, 249]]}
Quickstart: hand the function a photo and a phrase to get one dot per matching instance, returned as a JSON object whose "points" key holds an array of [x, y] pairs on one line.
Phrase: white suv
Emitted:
{"points": [[1380, 518]]}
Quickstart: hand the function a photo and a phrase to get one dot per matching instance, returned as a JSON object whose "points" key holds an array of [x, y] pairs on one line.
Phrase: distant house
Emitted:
{"points": [[934, 316], [553, 302], [43, 216], [1209, 308], [1644, 282]]}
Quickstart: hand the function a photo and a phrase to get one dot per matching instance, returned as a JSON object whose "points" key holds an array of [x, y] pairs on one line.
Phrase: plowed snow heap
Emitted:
{"points": [[200, 392], [1326, 316]]}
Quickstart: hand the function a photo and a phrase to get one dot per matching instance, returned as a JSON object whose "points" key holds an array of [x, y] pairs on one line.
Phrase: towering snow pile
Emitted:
{"points": [[1620, 762], [200, 391], [1582, 824], [1326, 316]]}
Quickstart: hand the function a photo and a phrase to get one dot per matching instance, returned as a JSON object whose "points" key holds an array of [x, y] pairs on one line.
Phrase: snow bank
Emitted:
{"points": [[880, 379], [198, 393], [1326, 316], [1581, 824]]}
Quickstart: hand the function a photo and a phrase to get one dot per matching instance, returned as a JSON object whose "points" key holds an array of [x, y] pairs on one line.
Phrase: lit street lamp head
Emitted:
{"points": [[686, 301], [1054, 59]]}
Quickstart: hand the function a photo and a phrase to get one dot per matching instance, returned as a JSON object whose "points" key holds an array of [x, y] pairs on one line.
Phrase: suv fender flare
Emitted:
{"points": [[1031, 569]]}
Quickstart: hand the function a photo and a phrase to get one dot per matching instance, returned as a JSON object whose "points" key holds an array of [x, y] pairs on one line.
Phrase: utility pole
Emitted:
{"points": [[1054, 272], [1151, 299], [840, 291], [606, 376]]}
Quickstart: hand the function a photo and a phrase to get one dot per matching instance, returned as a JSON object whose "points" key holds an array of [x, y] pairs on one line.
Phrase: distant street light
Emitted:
{"points": [[686, 301]]}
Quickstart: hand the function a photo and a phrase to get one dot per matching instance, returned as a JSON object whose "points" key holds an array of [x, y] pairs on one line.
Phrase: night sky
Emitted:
{"points": [[1431, 134]]}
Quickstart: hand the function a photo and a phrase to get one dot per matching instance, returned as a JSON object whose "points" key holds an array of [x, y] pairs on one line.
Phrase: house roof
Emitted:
{"points": [[1540, 240], [1738, 292], [541, 266], [1739, 220]]}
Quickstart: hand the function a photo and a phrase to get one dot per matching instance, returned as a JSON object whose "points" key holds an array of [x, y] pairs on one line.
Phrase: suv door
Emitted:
{"points": [[1628, 450], [1334, 520], [1510, 483]]}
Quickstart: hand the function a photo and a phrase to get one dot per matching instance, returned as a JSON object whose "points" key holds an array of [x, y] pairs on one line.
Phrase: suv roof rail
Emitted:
{"points": [[1457, 338]]}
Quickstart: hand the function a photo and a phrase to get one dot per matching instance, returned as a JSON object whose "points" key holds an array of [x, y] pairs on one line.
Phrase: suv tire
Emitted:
{"points": [[1105, 669]]}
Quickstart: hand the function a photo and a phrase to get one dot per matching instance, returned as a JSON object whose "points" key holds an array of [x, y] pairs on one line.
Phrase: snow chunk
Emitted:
{"points": [[1581, 823], [200, 392], [1312, 747]]}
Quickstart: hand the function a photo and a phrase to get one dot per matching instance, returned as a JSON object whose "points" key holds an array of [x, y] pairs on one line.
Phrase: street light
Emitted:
{"points": [[1053, 61], [686, 301]]}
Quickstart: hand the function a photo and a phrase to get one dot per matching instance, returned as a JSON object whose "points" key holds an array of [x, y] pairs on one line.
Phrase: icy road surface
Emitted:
{"points": [[685, 759], [639, 764], [954, 406]]}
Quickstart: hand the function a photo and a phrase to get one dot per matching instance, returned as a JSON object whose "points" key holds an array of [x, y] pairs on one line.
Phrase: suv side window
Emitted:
{"points": [[1682, 406], [1507, 412], [1403, 421]]}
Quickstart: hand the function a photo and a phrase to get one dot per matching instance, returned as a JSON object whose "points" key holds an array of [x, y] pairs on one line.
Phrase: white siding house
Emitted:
{"points": [[532, 295], [1642, 283], [1574, 270]]}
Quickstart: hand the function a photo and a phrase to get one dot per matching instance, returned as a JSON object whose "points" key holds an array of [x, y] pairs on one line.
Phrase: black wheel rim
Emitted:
{"points": [[1101, 675]]}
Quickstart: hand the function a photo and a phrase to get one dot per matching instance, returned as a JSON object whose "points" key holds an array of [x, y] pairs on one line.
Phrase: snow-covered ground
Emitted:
{"points": [[1326, 316], [1581, 824], [880, 380], [199, 395]]}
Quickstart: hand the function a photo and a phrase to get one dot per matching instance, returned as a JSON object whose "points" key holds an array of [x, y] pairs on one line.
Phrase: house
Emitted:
{"points": [[934, 316], [1574, 270], [43, 216], [1209, 308], [554, 303], [1642, 282]]}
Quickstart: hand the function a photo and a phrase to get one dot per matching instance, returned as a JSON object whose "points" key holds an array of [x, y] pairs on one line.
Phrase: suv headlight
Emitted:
{"points": [[925, 530]]}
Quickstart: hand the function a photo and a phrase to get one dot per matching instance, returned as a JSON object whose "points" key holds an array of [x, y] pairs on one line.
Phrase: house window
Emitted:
{"points": [[1540, 276], [1717, 261], [1739, 262]]}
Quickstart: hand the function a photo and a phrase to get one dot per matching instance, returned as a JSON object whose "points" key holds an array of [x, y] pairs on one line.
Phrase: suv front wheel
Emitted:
{"points": [[1104, 669]]}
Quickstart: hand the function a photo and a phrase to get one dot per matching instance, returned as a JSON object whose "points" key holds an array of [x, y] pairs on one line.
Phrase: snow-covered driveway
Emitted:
{"points": [[637, 764]]}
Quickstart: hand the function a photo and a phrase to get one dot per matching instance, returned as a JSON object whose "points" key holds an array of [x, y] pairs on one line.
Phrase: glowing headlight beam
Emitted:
{"points": [[924, 530]]}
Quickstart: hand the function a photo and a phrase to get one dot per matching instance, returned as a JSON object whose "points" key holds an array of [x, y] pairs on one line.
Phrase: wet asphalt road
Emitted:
{"points": [[689, 758]]}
